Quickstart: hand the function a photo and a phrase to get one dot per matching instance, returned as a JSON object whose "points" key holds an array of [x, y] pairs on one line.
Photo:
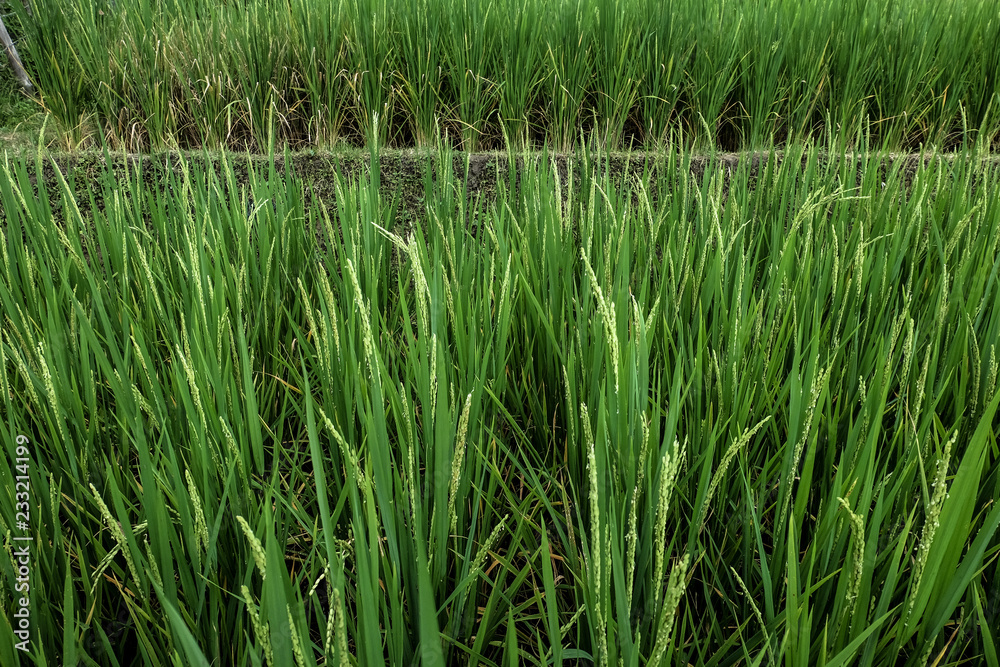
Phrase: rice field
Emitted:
{"points": [[579, 424], [489, 74], [443, 332]]}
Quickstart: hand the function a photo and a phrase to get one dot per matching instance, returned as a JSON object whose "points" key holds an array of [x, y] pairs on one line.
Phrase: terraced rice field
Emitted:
{"points": [[390, 400]]}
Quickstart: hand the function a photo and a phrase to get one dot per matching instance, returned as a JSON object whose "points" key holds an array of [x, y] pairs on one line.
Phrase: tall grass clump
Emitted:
{"points": [[748, 416], [486, 74]]}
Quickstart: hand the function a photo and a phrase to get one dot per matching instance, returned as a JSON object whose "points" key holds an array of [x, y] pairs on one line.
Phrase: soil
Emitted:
{"points": [[478, 177]]}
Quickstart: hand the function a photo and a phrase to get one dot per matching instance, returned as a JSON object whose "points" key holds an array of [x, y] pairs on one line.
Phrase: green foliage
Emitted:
{"points": [[485, 73], [751, 417]]}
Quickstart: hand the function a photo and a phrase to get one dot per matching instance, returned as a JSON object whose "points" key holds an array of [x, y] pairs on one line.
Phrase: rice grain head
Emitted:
{"points": [[366, 326], [632, 536], [595, 529], [932, 523], [857, 570], [119, 536], [26, 377], [675, 591], [991, 382], [608, 315], [50, 391], [255, 547], [296, 640], [756, 612], [260, 630], [456, 465], [670, 467], [817, 388], [724, 465], [154, 570], [200, 526]]}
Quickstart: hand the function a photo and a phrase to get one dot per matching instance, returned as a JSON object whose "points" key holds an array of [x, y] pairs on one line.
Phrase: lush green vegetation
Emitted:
{"points": [[487, 73], [751, 420], [745, 419]]}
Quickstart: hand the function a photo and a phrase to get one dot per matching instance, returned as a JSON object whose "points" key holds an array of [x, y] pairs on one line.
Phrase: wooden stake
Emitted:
{"points": [[15, 61]]}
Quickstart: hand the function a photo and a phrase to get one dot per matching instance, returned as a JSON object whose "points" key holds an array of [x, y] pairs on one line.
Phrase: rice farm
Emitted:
{"points": [[501, 333], [488, 74]]}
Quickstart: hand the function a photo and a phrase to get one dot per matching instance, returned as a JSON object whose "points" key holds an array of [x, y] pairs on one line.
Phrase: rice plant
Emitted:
{"points": [[488, 73], [749, 417]]}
